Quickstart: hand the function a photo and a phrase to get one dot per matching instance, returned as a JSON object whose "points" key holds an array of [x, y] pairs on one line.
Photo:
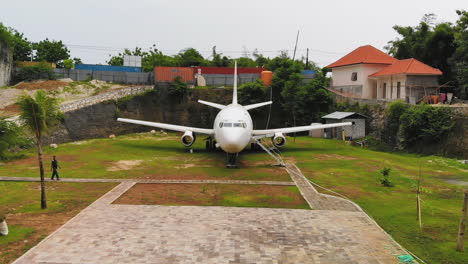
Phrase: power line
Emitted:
{"points": [[120, 49]]}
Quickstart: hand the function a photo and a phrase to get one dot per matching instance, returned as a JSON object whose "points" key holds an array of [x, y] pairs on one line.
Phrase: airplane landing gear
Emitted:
{"points": [[210, 144], [232, 160]]}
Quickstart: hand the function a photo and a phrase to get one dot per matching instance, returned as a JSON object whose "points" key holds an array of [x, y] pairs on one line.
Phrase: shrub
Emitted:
{"points": [[40, 71], [424, 123], [394, 111], [177, 88], [385, 181], [10, 136]]}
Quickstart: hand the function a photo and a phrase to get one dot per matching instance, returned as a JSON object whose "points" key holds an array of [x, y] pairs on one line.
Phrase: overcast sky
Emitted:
{"points": [[93, 29]]}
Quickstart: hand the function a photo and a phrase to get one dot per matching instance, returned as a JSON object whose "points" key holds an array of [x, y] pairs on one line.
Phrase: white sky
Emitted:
{"points": [[93, 29]]}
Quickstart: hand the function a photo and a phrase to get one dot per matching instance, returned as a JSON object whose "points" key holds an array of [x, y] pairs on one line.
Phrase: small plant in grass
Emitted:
{"points": [[204, 189], [386, 177]]}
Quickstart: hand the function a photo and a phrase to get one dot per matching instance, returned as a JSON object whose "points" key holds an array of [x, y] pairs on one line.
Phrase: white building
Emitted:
{"points": [[367, 72]]}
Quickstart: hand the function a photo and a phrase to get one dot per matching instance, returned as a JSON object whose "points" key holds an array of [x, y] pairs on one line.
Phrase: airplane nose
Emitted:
{"points": [[233, 143]]}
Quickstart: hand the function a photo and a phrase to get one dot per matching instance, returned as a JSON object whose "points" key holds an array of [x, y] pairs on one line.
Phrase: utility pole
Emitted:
{"points": [[307, 59], [295, 46], [461, 229]]}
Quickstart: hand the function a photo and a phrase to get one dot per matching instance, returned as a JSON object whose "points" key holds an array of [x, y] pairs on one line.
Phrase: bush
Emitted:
{"points": [[177, 88], [394, 111], [10, 136], [40, 71], [385, 181], [422, 124]]}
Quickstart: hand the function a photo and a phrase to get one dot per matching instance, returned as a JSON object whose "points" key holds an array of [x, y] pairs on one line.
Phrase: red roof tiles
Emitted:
{"points": [[408, 66], [364, 54]]}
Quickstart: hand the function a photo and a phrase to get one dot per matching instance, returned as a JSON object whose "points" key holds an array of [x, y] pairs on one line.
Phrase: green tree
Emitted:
{"points": [[22, 48], [68, 64], [51, 51], [460, 57], [39, 114], [252, 93], [430, 43], [244, 62], [189, 57]]}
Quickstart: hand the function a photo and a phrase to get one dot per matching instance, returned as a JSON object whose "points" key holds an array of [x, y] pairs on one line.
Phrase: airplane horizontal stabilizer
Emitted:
{"points": [[215, 105], [252, 106]]}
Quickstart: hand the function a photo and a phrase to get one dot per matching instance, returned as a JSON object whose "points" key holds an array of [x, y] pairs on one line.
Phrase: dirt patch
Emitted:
{"points": [[43, 85], [124, 165], [9, 110], [214, 195], [333, 156]]}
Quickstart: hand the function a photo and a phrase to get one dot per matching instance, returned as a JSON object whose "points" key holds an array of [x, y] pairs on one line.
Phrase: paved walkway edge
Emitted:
{"points": [[33, 179]]}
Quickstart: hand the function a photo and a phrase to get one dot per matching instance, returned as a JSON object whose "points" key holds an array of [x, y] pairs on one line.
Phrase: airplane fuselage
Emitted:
{"points": [[233, 128]]}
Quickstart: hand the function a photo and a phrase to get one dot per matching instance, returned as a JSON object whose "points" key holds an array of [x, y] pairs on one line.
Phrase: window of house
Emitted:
{"points": [[354, 76]]}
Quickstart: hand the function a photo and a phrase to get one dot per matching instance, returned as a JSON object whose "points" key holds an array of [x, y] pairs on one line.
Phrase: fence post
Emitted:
{"points": [[461, 229]]}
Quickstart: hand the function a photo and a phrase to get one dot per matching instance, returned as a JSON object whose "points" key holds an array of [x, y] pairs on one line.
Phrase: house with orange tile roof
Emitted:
{"points": [[367, 72]]}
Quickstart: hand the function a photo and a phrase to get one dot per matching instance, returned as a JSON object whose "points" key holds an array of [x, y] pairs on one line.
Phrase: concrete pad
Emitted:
{"points": [[108, 233]]}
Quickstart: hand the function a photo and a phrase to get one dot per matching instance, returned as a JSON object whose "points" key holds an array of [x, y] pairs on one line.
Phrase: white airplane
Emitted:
{"points": [[233, 128]]}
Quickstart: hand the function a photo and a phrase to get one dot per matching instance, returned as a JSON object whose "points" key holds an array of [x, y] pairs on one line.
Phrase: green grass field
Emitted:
{"points": [[143, 156], [354, 172], [351, 171]]}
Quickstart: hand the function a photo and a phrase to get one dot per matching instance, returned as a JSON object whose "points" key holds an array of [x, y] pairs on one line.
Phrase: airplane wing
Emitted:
{"points": [[285, 130], [204, 131]]}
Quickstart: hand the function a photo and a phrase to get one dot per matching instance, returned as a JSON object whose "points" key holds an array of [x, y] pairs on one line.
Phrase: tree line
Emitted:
{"points": [[443, 45]]}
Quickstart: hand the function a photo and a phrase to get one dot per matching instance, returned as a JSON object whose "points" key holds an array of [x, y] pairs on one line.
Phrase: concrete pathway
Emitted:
{"points": [[37, 179], [315, 199], [110, 233]]}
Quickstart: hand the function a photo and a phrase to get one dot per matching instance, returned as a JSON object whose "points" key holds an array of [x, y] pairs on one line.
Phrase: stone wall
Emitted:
{"points": [[96, 117], [6, 64]]}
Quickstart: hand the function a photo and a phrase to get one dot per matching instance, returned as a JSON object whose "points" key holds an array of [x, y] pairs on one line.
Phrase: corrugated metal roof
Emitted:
{"points": [[341, 115]]}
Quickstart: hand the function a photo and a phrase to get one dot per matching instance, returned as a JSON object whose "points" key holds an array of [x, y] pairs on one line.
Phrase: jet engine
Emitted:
{"points": [[188, 138], [278, 140]]}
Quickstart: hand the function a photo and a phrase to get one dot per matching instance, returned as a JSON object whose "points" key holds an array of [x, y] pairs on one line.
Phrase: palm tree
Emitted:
{"points": [[39, 114]]}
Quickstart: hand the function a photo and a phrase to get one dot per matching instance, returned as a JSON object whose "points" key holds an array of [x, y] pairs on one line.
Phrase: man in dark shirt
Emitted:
{"points": [[54, 166]]}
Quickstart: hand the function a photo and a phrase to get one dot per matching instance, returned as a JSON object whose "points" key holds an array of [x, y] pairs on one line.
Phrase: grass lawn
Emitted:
{"points": [[29, 224], [147, 156], [354, 172], [267, 196]]}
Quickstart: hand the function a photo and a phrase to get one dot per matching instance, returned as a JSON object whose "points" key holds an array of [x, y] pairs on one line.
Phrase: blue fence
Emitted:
{"points": [[92, 67]]}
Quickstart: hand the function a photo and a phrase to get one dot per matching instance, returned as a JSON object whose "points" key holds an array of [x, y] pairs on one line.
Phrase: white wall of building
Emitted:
{"points": [[391, 86], [342, 77]]}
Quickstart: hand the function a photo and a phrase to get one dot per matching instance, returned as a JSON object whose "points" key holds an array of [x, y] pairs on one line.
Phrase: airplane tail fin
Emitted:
{"points": [[234, 90]]}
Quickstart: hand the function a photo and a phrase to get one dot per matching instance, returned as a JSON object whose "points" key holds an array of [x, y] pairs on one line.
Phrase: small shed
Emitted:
{"points": [[356, 131]]}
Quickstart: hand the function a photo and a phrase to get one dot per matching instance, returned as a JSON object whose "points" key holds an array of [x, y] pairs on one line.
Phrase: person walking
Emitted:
{"points": [[55, 166]]}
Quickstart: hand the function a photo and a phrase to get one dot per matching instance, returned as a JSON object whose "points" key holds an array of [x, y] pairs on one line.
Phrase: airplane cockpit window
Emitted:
{"points": [[222, 124]]}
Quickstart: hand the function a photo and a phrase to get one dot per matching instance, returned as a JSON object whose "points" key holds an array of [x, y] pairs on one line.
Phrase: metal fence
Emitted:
{"points": [[228, 79], [108, 76]]}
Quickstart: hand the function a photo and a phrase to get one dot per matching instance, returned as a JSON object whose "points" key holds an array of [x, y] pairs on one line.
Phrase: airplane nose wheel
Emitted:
{"points": [[232, 160]]}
